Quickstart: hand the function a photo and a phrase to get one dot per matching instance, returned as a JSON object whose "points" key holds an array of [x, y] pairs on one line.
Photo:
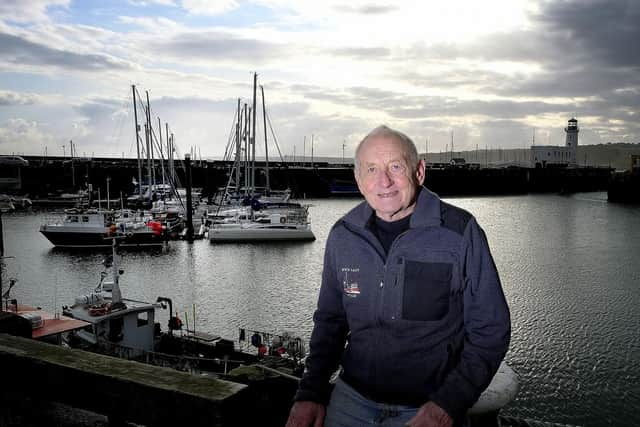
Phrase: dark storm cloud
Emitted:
{"points": [[580, 82], [577, 48], [566, 34], [601, 30], [20, 51], [587, 52], [213, 45]]}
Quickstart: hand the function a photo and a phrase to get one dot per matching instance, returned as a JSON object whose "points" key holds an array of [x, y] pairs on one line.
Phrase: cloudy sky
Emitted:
{"points": [[492, 73]]}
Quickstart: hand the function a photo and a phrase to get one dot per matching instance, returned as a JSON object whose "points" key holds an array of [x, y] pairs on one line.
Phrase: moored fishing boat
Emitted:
{"points": [[128, 328], [90, 228]]}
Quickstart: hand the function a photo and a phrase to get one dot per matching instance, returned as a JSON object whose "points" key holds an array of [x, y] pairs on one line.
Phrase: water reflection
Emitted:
{"points": [[570, 266]]}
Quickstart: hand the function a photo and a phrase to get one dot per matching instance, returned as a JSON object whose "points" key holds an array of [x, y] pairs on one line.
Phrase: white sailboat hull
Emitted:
{"points": [[251, 233]]}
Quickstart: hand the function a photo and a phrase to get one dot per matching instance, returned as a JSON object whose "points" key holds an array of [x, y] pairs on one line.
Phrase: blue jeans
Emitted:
{"points": [[348, 408]]}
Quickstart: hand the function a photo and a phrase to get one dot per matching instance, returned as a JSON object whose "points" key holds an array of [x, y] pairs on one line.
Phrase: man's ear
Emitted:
{"points": [[420, 172]]}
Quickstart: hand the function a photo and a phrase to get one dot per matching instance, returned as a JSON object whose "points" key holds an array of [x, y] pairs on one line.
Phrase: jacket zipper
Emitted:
{"points": [[380, 298]]}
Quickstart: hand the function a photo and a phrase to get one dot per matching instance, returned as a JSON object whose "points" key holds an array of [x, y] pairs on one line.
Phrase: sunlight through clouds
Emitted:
{"points": [[494, 70]]}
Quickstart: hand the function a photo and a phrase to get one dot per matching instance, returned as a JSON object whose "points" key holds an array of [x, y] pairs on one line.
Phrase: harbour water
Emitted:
{"points": [[570, 267]]}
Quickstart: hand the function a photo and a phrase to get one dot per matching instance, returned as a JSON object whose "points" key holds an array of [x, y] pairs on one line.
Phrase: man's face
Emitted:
{"points": [[387, 181]]}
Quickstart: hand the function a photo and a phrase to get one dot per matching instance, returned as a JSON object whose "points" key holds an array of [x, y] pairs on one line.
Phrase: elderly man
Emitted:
{"points": [[410, 305]]}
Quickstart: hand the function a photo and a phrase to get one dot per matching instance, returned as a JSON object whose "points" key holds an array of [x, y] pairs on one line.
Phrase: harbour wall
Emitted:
{"points": [[47, 384], [55, 175]]}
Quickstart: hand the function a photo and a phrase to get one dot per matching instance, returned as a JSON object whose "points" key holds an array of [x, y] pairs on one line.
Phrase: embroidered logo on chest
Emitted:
{"points": [[350, 286]]}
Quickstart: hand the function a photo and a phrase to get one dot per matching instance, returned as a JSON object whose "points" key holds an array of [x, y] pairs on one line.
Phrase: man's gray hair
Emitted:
{"points": [[409, 148]]}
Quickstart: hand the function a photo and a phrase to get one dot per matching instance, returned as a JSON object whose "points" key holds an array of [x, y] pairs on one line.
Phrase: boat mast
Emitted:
{"points": [[135, 117], [161, 156], [246, 148], [238, 150], [266, 146], [253, 136], [152, 178], [172, 174], [116, 295], [73, 171], [146, 139], [1, 259]]}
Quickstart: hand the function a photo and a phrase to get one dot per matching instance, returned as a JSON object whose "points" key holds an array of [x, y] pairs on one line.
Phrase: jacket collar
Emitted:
{"points": [[425, 214]]}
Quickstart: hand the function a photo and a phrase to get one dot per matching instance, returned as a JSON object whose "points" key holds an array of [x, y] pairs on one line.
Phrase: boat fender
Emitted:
{"points": [[256, 340], [156, 227], [262, 350], [175, 323]]}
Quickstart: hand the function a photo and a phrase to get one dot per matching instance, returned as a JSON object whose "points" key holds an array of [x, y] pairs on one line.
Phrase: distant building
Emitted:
{"points": [[544, 155], [10, 172]]}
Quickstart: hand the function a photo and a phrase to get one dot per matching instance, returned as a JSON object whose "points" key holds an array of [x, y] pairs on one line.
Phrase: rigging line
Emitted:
{"points": [[151, 129], [230, 139], [275, 139], [154, 138], [236, 164], [117, 131], [143, 151]]}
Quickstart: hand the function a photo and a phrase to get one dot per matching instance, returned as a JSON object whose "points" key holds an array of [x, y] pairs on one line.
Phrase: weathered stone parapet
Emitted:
{"points": [[120, 389]]}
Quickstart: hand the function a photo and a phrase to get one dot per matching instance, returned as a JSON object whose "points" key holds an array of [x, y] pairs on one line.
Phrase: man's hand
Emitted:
{"points": [[430, 415], [306, 414]]}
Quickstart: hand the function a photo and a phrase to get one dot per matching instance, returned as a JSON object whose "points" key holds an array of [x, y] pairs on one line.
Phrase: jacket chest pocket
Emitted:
{"points": [[426, 288]]}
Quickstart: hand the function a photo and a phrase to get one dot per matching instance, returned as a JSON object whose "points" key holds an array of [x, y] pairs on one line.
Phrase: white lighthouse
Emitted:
{"points": [[543, 156], [572, 140]]}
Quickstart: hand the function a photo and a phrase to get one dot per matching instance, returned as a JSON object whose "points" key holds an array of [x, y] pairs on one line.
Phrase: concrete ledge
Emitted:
{"points": [[123, 390]]}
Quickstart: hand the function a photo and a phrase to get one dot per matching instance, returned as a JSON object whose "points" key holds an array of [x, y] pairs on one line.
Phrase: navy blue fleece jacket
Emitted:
{"points": [[427, 322]]}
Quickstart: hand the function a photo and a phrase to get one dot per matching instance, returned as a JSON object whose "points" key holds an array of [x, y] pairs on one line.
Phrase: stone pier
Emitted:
{"points": [[36, 375]]}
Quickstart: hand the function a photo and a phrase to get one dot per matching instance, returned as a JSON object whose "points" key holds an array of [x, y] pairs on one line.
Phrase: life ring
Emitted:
{"points": [[283, 220]]}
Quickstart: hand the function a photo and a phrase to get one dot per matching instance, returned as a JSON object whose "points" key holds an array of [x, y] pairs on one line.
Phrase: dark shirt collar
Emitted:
{"points": [[387, 232]]}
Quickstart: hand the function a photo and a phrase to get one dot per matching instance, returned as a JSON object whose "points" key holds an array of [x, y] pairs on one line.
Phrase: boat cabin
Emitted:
{"points": [[130, 329]]}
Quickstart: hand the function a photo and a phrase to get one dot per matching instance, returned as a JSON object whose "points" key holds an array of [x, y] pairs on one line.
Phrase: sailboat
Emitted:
{"points": [[256, 216]]}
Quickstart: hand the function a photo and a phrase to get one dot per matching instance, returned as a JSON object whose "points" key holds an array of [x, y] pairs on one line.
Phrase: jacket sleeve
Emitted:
{"points": [[487, 328], [329, 334]]}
